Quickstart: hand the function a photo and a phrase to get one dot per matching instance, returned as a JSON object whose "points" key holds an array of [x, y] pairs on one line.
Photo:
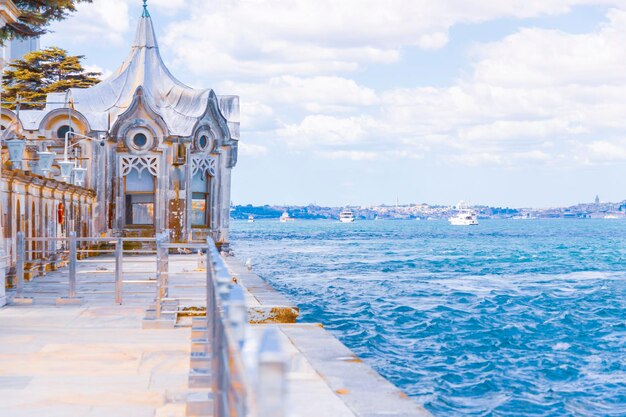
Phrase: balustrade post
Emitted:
{"points": [[159, 270], [237, 314], [271, 390], [165, 278], [223, 279], [119, 259], [72, 277], [19, 267], [215, 329], [210, 298]]}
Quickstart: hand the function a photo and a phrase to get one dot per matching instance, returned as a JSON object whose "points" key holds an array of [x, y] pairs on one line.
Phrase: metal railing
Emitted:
{"points": [[245, 382], [70, 247], [240, 387]]}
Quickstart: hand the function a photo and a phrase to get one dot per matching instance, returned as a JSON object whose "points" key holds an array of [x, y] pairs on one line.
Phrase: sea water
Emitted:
{"points": [[507, 318]]}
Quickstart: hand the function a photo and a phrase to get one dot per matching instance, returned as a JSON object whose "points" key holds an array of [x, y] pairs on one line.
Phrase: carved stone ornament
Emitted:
{"points": [[140, 163], [205, 164]]}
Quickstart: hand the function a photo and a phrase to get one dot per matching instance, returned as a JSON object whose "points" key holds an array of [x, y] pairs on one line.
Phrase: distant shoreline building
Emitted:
{"points": [[145, 154]]}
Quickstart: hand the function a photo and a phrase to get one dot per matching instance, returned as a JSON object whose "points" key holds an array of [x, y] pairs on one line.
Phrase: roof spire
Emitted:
{"points": [[146, 13]]}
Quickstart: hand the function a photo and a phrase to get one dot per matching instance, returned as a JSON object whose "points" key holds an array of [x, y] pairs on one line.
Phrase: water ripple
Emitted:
{"points": [[504, 319]]}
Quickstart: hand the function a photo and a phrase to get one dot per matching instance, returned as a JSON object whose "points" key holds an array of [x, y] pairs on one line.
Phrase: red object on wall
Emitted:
{"points": [[61, 213]]}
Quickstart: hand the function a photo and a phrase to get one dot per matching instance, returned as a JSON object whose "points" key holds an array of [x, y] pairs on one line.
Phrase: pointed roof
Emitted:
{"points": [[180, 106]]}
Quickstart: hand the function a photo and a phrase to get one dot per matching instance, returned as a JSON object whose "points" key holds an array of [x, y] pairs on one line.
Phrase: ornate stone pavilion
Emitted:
{"points": [[144, 153]]}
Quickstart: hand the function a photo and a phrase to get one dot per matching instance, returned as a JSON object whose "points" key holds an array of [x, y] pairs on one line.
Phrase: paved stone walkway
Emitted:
{"points": [[90, 361], [95, 360]]}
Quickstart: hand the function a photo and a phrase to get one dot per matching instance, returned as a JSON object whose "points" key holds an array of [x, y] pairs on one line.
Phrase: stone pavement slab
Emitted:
{"points": [[90, 361]]}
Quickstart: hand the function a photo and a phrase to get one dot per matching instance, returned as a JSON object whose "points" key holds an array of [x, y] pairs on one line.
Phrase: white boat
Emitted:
{"points": [[346, 216], [611, 217], [284, 218], [464, 216], [251, 219]]}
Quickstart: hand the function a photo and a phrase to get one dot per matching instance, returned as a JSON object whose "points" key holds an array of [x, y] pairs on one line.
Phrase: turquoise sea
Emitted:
{"points": [[507, 318]]}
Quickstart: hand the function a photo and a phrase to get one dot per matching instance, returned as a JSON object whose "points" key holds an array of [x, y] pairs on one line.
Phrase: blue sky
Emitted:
{"points": [[514, 103]]}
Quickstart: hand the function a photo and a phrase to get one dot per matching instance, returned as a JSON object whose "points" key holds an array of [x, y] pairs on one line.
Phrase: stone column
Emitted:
{"points": [[8, 14]]}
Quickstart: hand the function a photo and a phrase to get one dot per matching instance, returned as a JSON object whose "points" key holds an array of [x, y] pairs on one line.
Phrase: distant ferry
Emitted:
{"points": [[251, 219], [465, 216], [284, 218], [346, 216], [611, 216]]}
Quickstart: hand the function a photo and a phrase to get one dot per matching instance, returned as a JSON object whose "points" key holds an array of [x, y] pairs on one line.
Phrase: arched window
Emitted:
{"points": [[63, 131], [205, 141], [140, 140], [139, 198], [200, 202]]}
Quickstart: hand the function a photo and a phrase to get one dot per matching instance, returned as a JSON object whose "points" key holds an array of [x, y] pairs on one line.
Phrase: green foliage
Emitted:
{"points": [[49, 70], [36, 16]]}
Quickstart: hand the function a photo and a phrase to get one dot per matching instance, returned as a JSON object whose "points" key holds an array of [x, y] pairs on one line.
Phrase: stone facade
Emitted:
{"points": [[156, 155], [41, 207], [8, 14]]}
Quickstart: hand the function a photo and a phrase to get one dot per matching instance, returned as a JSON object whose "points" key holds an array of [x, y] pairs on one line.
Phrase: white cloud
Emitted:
{"points": [[321, 94], [167, 6], [104, 73], [256, 38], [249, 149], [256, 115], [604, 151], [435, 40], [350, 155], [329, 131], [477, 159], [102, 20], [536, 96], [529, 131], [540, 57]]}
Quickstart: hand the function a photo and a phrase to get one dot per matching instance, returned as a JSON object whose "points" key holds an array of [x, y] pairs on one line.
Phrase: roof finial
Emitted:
{"points": [[145, 9]]}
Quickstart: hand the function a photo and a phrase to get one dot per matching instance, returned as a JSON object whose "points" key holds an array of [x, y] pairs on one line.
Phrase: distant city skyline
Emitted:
{"points": [[593, 202], [516, 103]]}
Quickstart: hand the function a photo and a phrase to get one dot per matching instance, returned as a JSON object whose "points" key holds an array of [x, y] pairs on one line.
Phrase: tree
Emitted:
{"points": [[35, 17], [49, 70]]}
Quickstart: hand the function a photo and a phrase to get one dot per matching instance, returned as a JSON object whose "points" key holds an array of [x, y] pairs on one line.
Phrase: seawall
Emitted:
{"points": [[326, 371]]}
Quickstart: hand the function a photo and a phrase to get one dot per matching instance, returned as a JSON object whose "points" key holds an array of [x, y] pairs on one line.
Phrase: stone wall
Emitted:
{"points": [[41, 207]]}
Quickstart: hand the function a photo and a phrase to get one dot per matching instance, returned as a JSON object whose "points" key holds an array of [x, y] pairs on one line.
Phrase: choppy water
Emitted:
{"points": [[508, 318]]}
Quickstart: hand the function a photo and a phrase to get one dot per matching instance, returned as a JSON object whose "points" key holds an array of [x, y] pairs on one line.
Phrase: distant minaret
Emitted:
{"points": [[597, 200]]}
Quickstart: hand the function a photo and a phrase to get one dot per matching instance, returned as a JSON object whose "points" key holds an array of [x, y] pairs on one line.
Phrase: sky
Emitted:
{"points": [[516, 103]]}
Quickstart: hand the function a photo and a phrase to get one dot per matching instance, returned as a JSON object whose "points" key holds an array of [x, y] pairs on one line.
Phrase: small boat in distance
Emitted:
{"points": [[464, 216], [284, 218], [346, 216], [251, 219]]}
